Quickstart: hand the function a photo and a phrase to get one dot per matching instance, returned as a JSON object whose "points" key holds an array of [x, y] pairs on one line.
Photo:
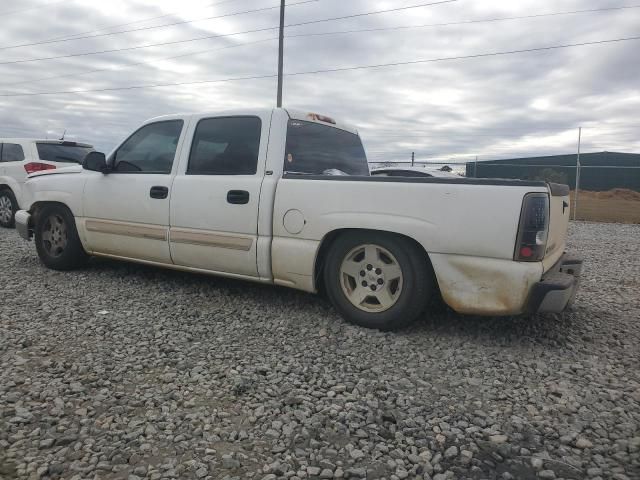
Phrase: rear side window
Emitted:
{"points": [[315, 149], [225, 146], [12, 152], [62, 152]]}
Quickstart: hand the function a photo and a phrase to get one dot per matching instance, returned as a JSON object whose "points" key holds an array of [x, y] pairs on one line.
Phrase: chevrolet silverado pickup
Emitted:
{"points": [[285, 197]]}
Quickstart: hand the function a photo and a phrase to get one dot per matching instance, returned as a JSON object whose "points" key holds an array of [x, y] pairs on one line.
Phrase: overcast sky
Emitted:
{"points": [[495, 107]]}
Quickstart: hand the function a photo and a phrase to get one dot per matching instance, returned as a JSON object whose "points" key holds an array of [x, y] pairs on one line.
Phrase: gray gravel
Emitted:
{"points": [[123, 371]]}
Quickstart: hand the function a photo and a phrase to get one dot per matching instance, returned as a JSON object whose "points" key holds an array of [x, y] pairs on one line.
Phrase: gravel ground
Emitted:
{"points": [[121, 371]]}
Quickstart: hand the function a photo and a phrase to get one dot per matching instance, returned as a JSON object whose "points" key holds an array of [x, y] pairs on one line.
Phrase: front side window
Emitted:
{"points": [[12, 152], [62, 152], [151, 149], [314, 149], [225, 146]]}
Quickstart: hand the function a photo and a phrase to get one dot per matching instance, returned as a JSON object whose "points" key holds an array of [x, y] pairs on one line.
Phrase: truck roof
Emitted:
{"points": [[293, 113]]}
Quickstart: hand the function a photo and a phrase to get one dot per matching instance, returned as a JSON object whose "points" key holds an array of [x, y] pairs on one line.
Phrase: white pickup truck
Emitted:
{"points": [[285, 197]]}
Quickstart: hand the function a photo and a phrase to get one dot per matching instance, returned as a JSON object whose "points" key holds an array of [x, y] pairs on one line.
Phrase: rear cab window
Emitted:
{"points": [[225, 146], [315, 149], [65, 152]]}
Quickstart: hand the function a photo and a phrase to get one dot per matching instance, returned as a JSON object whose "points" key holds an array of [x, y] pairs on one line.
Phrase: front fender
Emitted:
{"points": [[51, 196], [64, 189]]}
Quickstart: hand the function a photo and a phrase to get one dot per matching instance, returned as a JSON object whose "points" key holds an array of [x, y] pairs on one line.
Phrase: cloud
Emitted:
{"points": [[494, 107]]}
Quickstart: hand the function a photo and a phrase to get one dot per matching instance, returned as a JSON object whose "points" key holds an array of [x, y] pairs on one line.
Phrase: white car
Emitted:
{"points": [[401, 171], [22, 156], [254, 195]]}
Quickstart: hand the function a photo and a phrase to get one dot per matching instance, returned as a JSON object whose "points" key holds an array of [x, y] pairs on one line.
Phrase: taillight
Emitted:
{"points": [[533, 229], [33, 167]]}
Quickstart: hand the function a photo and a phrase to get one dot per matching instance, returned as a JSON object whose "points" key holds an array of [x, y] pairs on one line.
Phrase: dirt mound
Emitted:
{"points": [[619, 193]]}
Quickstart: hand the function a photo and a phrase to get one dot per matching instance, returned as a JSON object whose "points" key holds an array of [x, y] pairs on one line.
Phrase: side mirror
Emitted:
{"points": [[96, 162]]}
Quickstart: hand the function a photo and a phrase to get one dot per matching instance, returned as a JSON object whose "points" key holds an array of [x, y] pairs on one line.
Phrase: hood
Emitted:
{"points": [[76, 168]]}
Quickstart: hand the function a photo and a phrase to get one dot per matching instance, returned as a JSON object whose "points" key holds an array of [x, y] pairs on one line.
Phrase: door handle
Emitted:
{"points": [[238, 197], [159, 192]]}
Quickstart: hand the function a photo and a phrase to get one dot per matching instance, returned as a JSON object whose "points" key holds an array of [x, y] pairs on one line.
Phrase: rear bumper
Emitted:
{"points": [[22, 224], [557, 288]]}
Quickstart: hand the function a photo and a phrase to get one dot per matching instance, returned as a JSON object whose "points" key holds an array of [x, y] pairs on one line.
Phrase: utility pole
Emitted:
{"points": [[281, 53], [413, 158], [475, 168], [575, 196]]}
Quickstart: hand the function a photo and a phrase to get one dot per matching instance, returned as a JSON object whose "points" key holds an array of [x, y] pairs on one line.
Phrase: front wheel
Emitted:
{"points": [[8, 208], [378, 280], [56, 238]]}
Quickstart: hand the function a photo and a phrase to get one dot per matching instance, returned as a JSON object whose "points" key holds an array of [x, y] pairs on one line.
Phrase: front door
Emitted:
{"points": [[126, 212], [214, 202]]}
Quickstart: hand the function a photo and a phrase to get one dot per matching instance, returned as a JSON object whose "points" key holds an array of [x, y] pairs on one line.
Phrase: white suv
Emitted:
{"points": [[21, 156]]}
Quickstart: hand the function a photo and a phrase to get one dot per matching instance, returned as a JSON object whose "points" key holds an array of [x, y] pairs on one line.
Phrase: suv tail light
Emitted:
{"points": [[33, 167], [533, 229]]}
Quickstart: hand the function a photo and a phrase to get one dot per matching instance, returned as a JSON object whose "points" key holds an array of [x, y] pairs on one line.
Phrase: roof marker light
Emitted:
{"points": [[321, 118]]}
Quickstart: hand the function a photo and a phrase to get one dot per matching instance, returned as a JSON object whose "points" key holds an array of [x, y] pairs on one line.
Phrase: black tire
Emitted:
{"points": [[56, 238], [8, 198], [417, 280]]}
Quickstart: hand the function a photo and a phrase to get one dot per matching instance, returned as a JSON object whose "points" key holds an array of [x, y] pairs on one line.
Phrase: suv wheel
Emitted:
{"points": [[8, 208]]}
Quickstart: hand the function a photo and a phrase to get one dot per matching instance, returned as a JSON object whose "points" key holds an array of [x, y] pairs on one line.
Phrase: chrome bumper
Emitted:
{"points": [[558, 287], [22, 224]]}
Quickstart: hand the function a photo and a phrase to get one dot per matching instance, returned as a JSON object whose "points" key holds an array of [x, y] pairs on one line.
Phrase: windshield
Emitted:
{"points": [[59, 152], [314, 149]]}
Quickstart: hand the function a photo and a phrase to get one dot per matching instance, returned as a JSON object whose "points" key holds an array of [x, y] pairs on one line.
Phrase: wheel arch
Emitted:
{"points": [[329, 239], [11, 183], [36, 208], [8, 186]]}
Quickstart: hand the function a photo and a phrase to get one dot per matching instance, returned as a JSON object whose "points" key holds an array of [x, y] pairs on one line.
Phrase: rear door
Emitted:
{"points": [[126, 212], [215, 198], [12, 161]]}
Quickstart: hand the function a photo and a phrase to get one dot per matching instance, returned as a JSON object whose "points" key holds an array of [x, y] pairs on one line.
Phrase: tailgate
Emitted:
{"points": [[558, 224]]}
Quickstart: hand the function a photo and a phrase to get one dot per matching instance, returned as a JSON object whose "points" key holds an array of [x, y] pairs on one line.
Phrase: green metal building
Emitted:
{"points": [[599, 171]]}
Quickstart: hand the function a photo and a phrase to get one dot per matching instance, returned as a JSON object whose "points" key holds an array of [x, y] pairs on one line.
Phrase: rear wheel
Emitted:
{"points": [[378, 280], [8, 208], [57, 240]]}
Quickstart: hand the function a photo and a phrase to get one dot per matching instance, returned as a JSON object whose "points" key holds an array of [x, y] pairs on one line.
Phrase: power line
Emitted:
{"points": [[330, 70], [464, 22], [206, 37], [439, 129], [182, 22], [43, 5], [459, 134], [604, 123], [148, 19], [139, 47], [465, 57], [127, 65], [366, 30]]}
